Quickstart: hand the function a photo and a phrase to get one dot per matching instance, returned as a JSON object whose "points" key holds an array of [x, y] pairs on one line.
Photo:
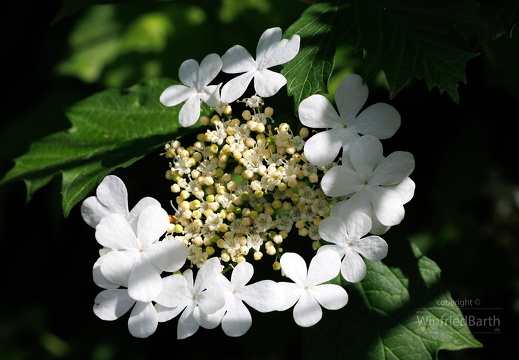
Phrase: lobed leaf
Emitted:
{"points": [[404, 39], [111, 129], [400, 310]]}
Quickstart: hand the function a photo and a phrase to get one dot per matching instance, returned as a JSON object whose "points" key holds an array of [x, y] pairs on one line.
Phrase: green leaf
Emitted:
{"points": [[399, 311], [110, 129], [414, 39], [501, 16]]}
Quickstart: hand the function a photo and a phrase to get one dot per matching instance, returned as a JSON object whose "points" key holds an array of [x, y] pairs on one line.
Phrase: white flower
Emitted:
{"points": [[113, 303], [196, 79], [201, 302], [271, 51], [308, 292], [112, 198], [371, 180], [347, 242], [140, 257], [380, 120], [264, 296]]}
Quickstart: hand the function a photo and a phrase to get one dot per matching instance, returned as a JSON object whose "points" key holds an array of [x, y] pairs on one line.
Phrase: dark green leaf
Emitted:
{"points": [[399, 311], [404, 39], [111, 129]]}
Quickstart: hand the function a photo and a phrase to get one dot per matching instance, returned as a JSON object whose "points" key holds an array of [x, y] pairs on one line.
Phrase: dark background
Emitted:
{"points": [[464, 214]]}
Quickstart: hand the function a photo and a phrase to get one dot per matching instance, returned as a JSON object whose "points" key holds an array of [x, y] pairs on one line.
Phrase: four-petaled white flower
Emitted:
{"points": [[196, 88], [201, 301], [139, 258], [307, 291], [380, 120], [346, 237], [263, 296], [112, 198], [379, 186], [271, 51]]}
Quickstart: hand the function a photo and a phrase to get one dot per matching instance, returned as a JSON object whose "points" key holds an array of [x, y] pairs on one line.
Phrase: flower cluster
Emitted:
{"points": [[245, 188]]}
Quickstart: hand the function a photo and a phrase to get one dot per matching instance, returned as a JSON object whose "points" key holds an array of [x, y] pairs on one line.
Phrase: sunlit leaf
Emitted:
{"points": [[110, 129]]}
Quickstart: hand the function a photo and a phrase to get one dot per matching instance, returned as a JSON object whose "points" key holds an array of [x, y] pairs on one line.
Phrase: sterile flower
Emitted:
{"points": [[346, 237], [271, 51], [380, 120], [308, 292], [201, 302], [263, 296], [370, 179], [112, 198], [140, 258], [196, 88], [111, 304]]}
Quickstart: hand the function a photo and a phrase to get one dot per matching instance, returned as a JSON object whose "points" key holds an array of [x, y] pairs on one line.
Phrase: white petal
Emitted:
{"points": [[353, 268], [175, 94], [324, 147], [324, 266], [115, 232], [188, 73], [405, 189], [143, 320], [294, 267], [92, 211], [307, 311], [372, 247], [137, 209], [237, 60], [263, 296], [350, 97], [113, 194], [174, 291], [284, 51], [211, 300], [365, 155], [187, 324], [235, 87], [116, 266], [166, 313], [387, 205], [167, 255], [330, 296], [211, 95], [207, 274], [99, 279], [292, 294], [151, 225], [393, 169], [145, 282], [238, 320], [267, 83], [341, 180], [267, 46], [358, 224], [359, 202], [209, 69], [316, 112], [333, 230], [380, 120], [112, 304], [208, 321], [241, 274], [190, 111]]}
